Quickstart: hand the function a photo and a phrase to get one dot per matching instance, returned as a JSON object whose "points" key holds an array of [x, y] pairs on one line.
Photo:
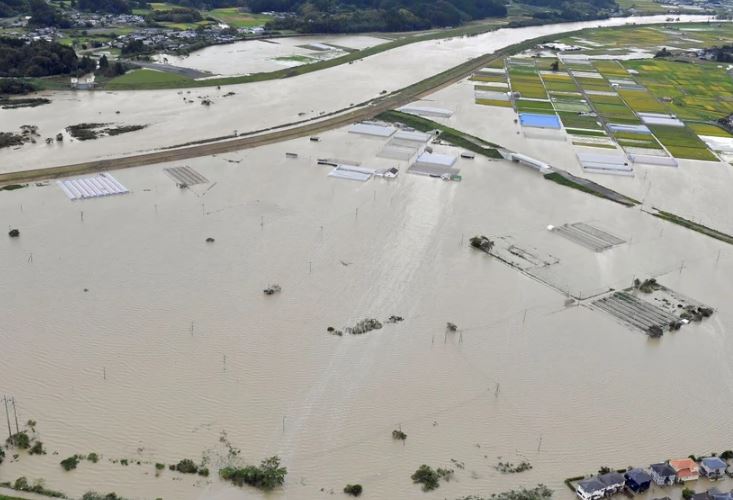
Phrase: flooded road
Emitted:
{"points": [[172, 120], [174, 341]]}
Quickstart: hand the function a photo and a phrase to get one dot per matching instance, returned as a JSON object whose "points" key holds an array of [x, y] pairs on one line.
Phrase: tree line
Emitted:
{"points": [[40, 58]]}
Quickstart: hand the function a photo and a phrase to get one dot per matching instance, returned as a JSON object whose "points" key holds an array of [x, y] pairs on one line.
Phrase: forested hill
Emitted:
{"points": [[342, 16], [331, 16]]}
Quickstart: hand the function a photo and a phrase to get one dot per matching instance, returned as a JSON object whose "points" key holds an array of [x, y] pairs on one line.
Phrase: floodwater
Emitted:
{"points": [[175, 343], [173, 121], [255, 56], [696, 190]]}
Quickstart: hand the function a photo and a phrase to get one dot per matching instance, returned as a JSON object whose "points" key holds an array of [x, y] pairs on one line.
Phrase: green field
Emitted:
{"points": [[699, 91], [682, 142], [574, 120], [707, 129], [147, 78], [235, 18]]}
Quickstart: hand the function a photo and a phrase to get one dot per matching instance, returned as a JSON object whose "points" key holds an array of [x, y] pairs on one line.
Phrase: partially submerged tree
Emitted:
{"points": [[266, 476], [70, 463], [482, 243], [353, 489]]}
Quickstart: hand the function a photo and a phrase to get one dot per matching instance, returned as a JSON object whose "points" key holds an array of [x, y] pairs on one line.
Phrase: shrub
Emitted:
{"points": [[688, 493], [37, 449], [70, 463], [726, 455], [203, 471], [353, 489], [2, 455], [266, 476], [124, 461], [427, 477], [187, 466], [19, 440], [159, 466], [93, 457], [93, 495], [398, 434]]}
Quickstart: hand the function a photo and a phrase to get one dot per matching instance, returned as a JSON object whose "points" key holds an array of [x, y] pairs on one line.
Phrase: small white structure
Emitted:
{"points": [[91, 187], [352, 173], [436, 159], [605, 163], [426, 111], [660, 119], [85, 82], [377, 129]]}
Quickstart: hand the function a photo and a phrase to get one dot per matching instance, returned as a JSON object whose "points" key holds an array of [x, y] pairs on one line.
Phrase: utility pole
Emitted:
{"points": [[17, 427], [7, 416]]}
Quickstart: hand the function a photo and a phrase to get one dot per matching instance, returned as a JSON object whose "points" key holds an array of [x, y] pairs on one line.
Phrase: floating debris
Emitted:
{"points": [[14, 233], [394, 319], [272, 290], [210, 240]]}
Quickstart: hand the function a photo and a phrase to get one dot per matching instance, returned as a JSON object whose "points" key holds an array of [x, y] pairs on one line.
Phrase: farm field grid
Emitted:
{"points": [[663, 107]]}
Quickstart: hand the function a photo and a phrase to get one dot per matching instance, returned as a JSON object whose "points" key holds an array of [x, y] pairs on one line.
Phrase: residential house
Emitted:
{"points": [[713, 494], [662, 474], [638, 480], [613, 481], [713, 467], [686, 469], [716, 494], [590, 489], [85, 82]]}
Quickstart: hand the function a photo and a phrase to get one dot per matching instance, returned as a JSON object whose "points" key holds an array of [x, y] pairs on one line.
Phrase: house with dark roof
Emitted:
{"points": [[638, 480], [613, 481], [713, 467], [590, 489], [662, 474], [686, 469], [713, 494]]}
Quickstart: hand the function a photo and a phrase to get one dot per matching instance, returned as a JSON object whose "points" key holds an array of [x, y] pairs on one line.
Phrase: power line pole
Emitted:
{"points": [[15, 413], [7, 416]]}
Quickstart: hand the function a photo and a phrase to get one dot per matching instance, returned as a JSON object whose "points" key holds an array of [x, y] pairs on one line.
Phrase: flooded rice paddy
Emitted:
{"points": [[256, 56], [191, 347]]}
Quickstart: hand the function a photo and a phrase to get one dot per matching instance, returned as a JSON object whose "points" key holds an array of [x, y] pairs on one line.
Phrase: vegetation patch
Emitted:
{"points": [[30, 102], [510, 468], [353, 489], [91, 131], [453, 136], [268, 475], [540, 492], [70, 463], [676, 219], [430, 478], [37, 486], [148, 79]]}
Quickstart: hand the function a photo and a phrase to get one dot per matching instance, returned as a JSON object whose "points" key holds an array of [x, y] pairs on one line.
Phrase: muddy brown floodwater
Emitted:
{"points": [[264, 370]]}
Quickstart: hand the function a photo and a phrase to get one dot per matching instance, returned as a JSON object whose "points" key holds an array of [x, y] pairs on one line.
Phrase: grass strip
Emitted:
{"points": [[676, 219], [455, 137]]}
